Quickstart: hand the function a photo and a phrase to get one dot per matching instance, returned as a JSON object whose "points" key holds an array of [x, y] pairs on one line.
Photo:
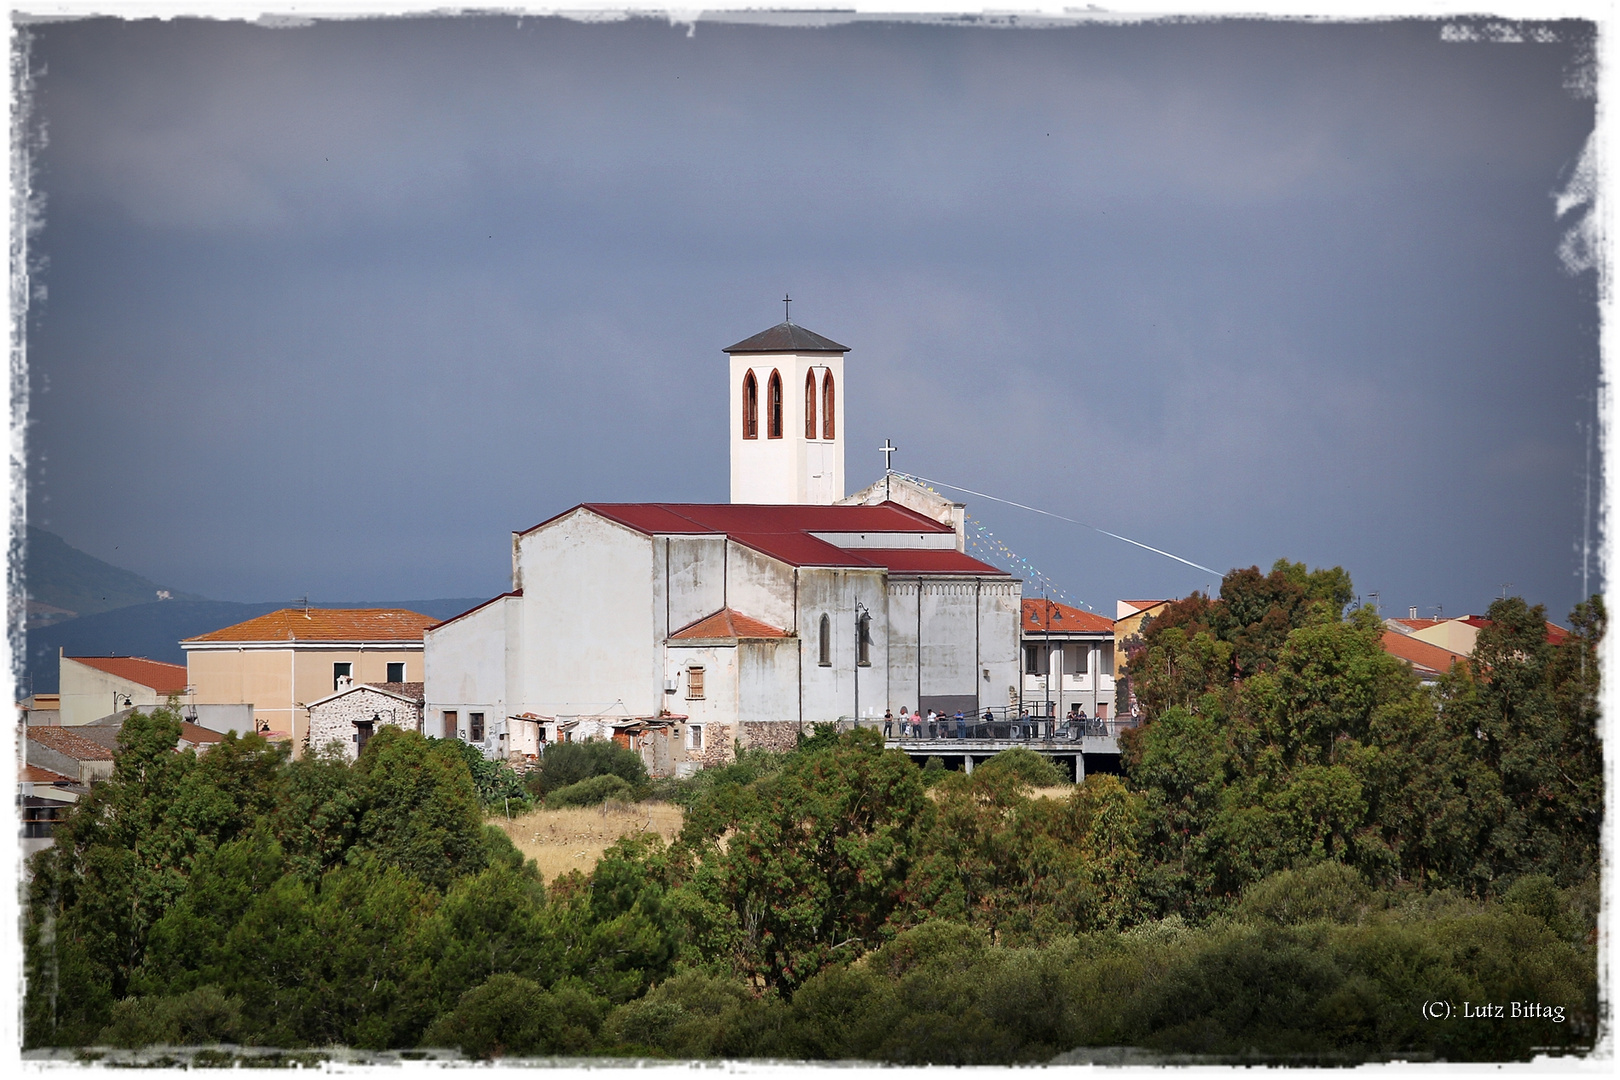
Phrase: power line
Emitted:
{"points": [[1070, 520]]}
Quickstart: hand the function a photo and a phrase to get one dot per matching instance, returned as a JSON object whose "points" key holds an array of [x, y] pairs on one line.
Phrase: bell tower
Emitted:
{"points": [[787, 417]]}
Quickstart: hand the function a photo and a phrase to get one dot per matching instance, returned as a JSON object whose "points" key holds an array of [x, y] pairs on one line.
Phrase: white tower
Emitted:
{"points": [[787, 417]]}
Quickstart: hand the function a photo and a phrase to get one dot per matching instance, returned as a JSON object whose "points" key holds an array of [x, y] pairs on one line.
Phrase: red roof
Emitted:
{"points": [[1418, 624], [727, 623], [785, 532], [194, 734], [1420, 654], [327, 624], [1042, 615], [154, 674], [33, 774], [66, 741]]}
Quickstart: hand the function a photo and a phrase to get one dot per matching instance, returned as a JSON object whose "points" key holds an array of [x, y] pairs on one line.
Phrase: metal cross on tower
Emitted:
{"points": [[786, 300], [887, 449]]}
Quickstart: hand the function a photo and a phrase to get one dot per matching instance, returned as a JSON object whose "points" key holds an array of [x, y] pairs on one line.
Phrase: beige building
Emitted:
{"points": [[95, 686], [284, 661]]}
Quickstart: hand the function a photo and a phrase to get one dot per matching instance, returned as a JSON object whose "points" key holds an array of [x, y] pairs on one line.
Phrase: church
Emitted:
{"points": [[684, 629]]}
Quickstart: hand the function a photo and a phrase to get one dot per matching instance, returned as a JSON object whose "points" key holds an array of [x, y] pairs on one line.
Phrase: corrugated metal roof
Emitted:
{"points": [[727, 623], [785, 337], [327, 624], [928, 561], [156, 675]]}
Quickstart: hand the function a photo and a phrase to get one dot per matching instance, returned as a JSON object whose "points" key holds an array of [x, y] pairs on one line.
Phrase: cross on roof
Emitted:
{"points": [[887, 450]]}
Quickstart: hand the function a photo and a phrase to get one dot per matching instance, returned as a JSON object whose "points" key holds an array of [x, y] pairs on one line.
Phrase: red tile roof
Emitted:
{"points": [[1424, 657], [785, 532], [194, 734], [66, 741], [1041, 615], [1143, 605], [326, 624], [1418, 624], [155, 674], [727, 623], [33, 774]]}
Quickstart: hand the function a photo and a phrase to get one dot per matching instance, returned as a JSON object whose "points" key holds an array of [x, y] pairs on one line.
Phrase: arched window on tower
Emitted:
{"points": [[810, 405], [773, 407], [827, 401], [826, 641], [750, 407]]}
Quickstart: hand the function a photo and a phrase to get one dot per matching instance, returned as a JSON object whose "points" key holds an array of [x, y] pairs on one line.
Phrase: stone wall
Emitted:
{"points": [[334, 720], [777, 735]]}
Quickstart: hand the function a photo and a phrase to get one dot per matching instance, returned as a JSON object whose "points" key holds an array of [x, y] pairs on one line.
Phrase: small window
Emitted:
{"points": [[694, 737], [449, 728], [826, 642], [750, 407], [773, 406], [341, 671], [827, 402], [810, 405], [694, 682], [863, 639], [1105, 662], [1079, 658], [475, 727], [396, 672], [1034, 660]]}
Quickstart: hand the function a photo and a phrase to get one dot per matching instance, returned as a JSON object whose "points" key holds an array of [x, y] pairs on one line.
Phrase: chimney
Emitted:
{"points": [[1411, 612]]}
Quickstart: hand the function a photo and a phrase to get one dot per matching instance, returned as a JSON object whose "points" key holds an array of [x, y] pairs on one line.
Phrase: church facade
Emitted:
{"points": [[706, 625]]}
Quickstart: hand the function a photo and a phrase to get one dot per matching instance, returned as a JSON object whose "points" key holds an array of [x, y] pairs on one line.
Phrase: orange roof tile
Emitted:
{"points": [[66, 741], [33, 774], [163, 677], [326, 624], [1420, 654], [1042, 615], [727, 623], [192, 733]]}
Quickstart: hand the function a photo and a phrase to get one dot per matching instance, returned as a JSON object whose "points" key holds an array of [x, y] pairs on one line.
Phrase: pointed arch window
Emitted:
{"points": [[750, 406], [810, 404], [864, 641], [828, 395], [825, 638], [773, 407]]}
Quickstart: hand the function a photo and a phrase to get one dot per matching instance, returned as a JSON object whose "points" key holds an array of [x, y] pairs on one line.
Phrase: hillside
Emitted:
{"points": [[60, 576], [154, 630]]}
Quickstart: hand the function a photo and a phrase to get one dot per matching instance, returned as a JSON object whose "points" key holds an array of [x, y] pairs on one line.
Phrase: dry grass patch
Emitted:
{"points": [[1061, 791], [574, 838]]}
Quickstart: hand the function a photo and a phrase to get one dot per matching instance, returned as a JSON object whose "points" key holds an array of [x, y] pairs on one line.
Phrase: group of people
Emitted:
{"points": [[939, 725]]}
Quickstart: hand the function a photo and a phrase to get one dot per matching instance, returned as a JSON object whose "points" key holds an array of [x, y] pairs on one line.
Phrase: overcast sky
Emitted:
{"points": [[331, 310]]}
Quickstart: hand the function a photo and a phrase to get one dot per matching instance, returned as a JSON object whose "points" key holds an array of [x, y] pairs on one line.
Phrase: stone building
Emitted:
{"points": [[349, 717], [740, 621]]}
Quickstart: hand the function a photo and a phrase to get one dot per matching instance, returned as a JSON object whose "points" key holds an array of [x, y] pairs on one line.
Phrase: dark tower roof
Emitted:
{"points": [[785, 337]]}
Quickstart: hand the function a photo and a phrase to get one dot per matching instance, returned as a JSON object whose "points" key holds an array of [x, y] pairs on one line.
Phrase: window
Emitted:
{"points": [[1105, 662], [694, 682], [863, 640], [1102, 710], [341, 671], [827, 411], [449, 729], [1078, 657], [810, 405], [826, 642], [1034, 660], [475, 727], [773, 406], [694, 737], [750, 407], [396, 672]]}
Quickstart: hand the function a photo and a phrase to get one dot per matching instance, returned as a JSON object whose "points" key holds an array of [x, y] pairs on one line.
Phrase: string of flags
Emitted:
{"points": [[985, 545]]}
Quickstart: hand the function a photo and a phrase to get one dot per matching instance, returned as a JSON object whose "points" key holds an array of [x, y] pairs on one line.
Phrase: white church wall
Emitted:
{"points": [[1000, 642], [903, 672], [714, 714], [829, 692], [465, 666], [767, 681], [695, 577], [758, 586], [790, 469], [589, 634]]}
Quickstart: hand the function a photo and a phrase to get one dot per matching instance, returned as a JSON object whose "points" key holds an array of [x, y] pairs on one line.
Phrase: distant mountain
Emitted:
{"points": [[154, 630], [63, 581]]}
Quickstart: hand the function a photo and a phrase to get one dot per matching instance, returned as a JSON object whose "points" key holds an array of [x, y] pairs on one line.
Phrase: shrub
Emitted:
{"points": [[597, 789], [563, 764], [205, 1015], [508, 1014], [1329, 890], [1032, 768]]}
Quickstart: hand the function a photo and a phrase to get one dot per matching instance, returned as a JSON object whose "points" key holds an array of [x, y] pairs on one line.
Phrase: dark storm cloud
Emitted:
{"points": [[331, 309]]}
